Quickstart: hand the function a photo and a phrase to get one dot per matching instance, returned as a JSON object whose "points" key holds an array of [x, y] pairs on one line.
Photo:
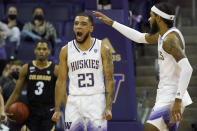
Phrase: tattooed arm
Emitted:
{"points": [[109, 82], [173, 46]]}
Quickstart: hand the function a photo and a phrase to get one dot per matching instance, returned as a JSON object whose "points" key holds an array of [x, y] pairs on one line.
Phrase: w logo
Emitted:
{"points": [[119, 78], [68, 125]]}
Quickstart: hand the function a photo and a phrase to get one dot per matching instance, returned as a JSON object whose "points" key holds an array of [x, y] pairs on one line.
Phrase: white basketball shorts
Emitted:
{"points": [[85, 113]]}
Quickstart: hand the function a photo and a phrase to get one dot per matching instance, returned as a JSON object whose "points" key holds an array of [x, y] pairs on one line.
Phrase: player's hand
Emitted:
{"points": [[103, 18], [9, 117], [56, 116], [175, 114], [107, 115], [3, 118]]}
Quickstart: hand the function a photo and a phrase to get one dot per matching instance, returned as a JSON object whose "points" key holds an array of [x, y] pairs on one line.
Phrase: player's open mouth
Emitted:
{"points": [[79, 34], [41, 55]]}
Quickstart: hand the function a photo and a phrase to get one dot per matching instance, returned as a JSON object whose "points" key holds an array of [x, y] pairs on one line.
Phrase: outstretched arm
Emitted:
{"points": [[109, 81], [130, 33], [60, 89], [19, 86]]}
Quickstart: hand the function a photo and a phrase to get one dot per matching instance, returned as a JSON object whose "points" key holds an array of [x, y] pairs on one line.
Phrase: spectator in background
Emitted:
{"points": [[13, 24], [11, 19], [5, 32], [104, 4], [39, 28]]}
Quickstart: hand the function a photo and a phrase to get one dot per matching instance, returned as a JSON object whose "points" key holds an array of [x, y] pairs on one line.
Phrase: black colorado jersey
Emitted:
{"points": [[40, 85]]}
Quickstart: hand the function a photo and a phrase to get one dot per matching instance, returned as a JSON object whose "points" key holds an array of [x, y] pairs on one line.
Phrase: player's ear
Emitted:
{"points": [[91, 28], [34, 51], [49, 52], [159, 18]]}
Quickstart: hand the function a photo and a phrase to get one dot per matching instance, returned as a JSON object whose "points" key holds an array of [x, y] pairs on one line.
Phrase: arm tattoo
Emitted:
{"points": [[173, 47], [109, 82]]}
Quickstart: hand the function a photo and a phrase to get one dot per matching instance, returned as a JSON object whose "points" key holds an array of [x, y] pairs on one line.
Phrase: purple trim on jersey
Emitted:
{"points": [[93, 44], [165, 114], [76, 46]]}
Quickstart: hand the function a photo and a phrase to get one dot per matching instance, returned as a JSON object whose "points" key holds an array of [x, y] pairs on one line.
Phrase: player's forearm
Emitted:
{"points": [[130, 33], [64, 100], [185, 75], [13, 98], [60, 90], [109, 93], [1, 105]]}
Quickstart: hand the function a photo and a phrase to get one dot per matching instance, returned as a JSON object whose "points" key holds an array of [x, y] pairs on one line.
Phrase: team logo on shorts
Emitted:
{"points": [[68, 125]]}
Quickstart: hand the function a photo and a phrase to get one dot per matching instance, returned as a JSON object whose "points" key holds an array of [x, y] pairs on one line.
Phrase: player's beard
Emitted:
{"points": [[84, 39], [154, 28]]}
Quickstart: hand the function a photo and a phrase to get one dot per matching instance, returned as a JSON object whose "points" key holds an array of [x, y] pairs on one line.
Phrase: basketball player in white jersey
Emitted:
{"points": [[86, 60], [175, 69]]}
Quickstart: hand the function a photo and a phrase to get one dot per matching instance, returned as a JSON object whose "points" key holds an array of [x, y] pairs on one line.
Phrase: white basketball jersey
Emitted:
{"points": [[85, 69], [169, 74]]}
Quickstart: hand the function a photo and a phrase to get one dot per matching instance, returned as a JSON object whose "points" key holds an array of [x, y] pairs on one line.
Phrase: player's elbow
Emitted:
{"points": [[60, 83], [188, 70]]}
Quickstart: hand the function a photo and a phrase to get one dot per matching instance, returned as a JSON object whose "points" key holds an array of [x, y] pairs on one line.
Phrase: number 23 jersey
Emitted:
{"points": [[85, 69], [40, 85]]}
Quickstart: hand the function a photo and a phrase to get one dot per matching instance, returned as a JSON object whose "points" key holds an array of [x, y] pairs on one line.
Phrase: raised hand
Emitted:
{"points": [[102, 17], [3, 118]]}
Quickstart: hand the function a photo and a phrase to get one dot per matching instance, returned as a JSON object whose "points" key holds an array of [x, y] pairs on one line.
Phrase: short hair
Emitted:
{"points": [[42, 41], [38, 7], [12, 6], [168, 9], [86, 15]]}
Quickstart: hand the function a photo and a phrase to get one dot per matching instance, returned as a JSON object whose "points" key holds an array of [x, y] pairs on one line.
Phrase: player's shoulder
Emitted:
{"points": [[171, 38], [104, 44], [25, 66], [64, 51], [56, 70], [172, 34], [65, 48], [24, 69]]}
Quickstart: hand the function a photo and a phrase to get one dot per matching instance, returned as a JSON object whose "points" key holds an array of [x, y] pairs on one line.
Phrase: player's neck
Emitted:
{"points": [[163, 29], [41, 64], [86, 45]]}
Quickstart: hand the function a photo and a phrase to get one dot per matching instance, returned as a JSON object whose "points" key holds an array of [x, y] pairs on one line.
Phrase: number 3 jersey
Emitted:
{"points": [[40, 85], [85, 69]]}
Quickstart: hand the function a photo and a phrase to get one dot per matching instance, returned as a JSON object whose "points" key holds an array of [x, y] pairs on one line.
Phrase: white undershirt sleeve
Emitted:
{"points": [[185, 75], [130, 33]]}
